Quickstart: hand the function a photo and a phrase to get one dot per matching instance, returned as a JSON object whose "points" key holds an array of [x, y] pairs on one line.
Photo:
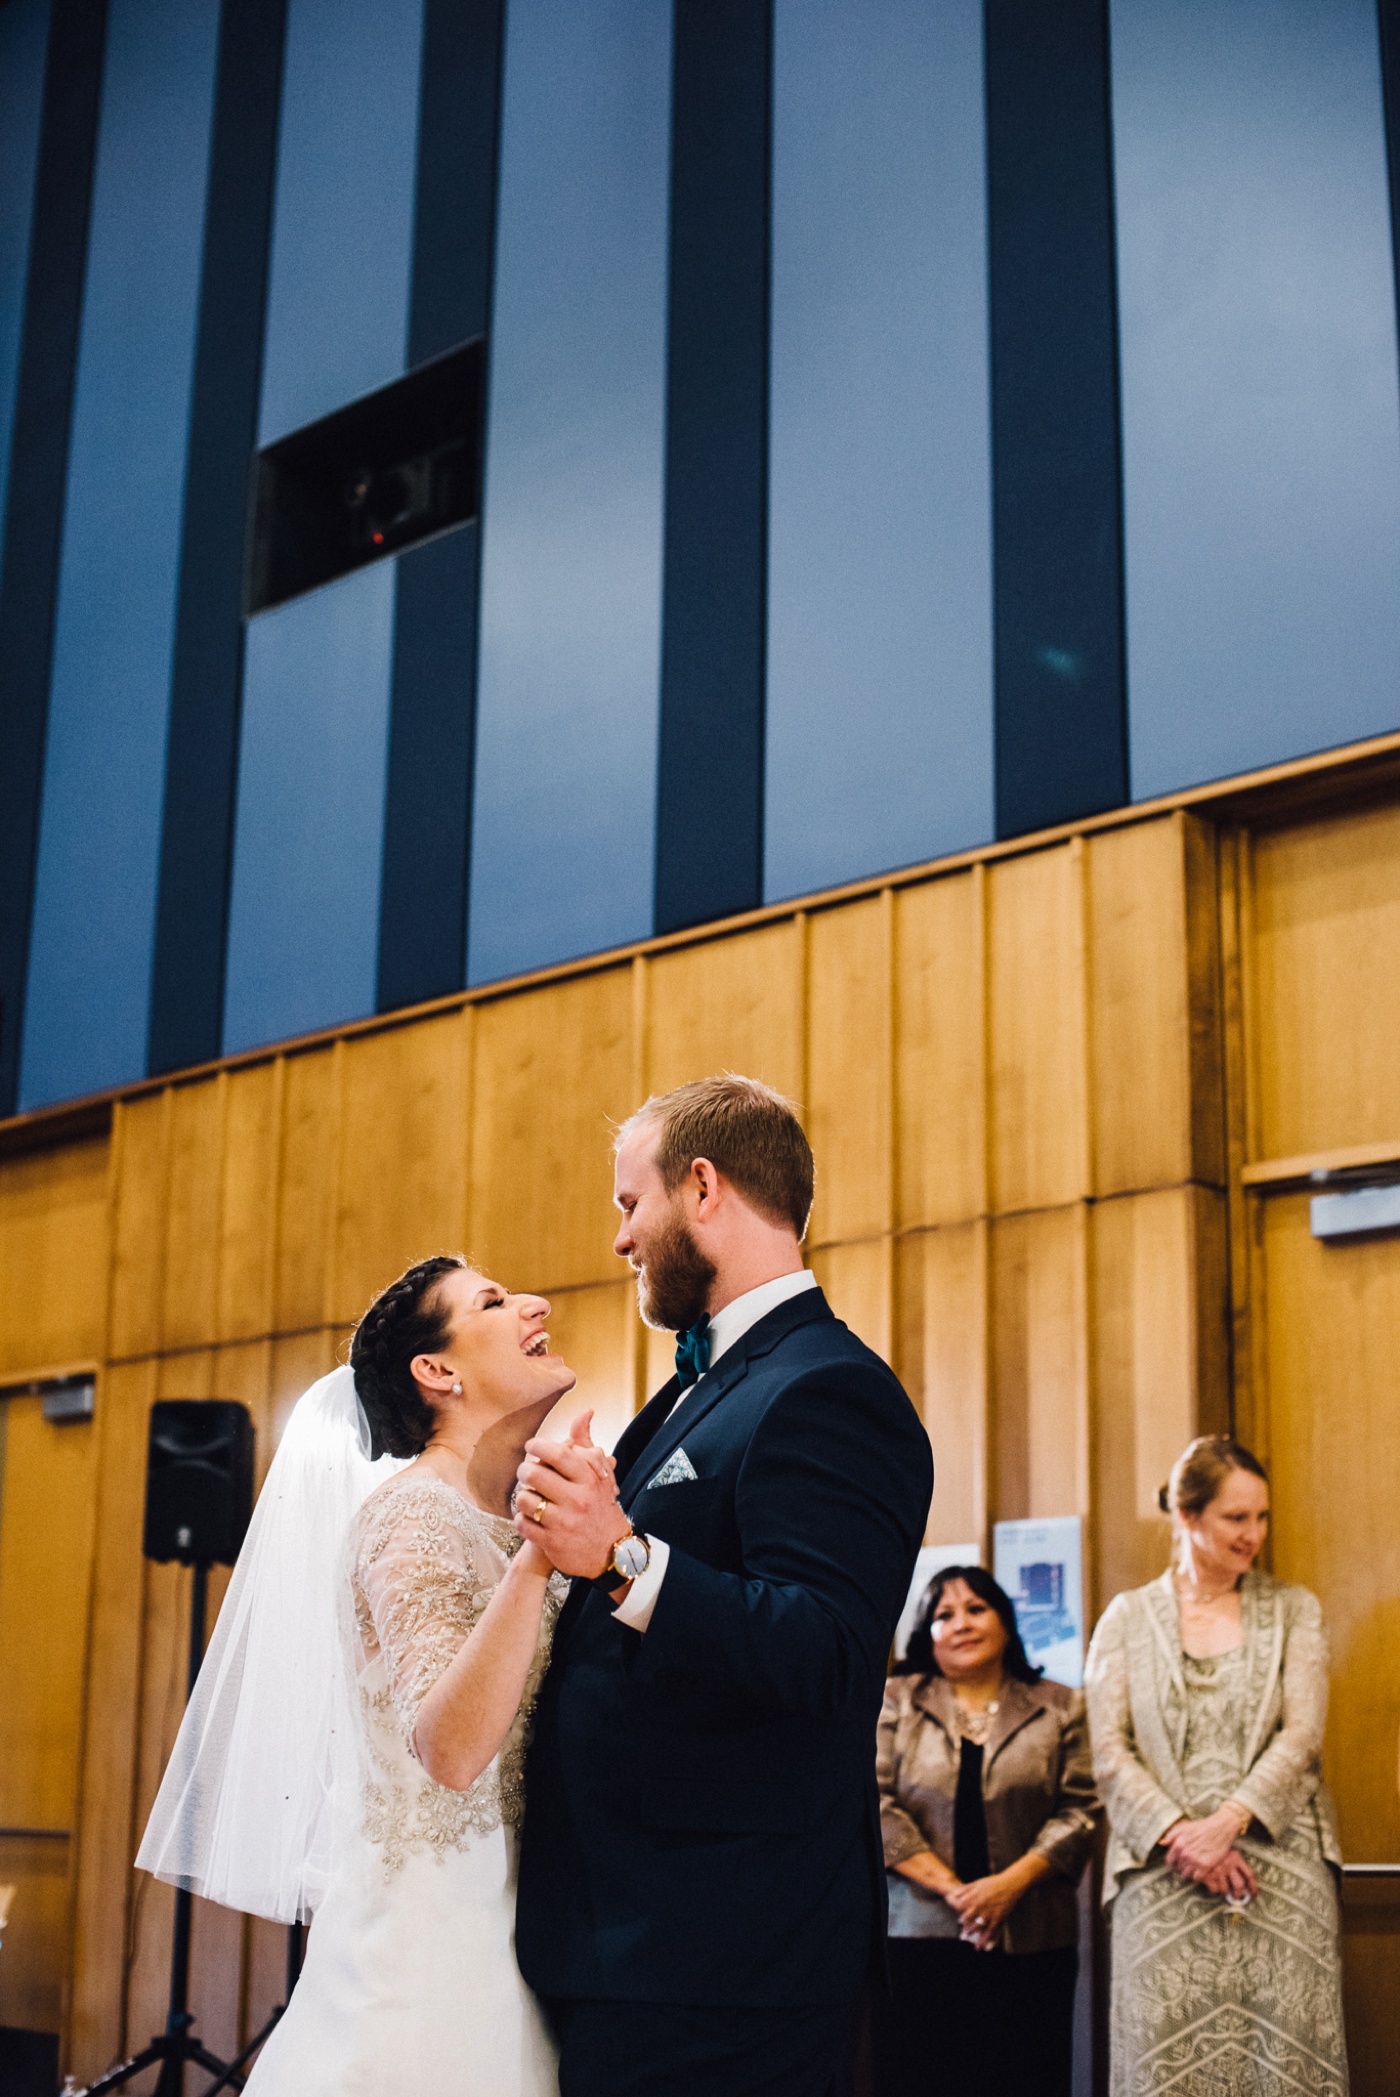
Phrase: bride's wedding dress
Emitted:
{"points": [[410, 1982]]}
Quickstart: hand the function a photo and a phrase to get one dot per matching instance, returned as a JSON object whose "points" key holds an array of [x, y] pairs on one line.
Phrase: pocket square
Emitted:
{"points": [[676, 1470]]}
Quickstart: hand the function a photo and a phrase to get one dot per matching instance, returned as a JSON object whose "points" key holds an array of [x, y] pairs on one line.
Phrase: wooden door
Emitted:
{"points": [[1318, 1322], [48, 1484]]}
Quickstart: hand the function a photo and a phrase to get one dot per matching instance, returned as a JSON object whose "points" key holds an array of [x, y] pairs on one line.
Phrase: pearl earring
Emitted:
{"points": [[458, 1389]]}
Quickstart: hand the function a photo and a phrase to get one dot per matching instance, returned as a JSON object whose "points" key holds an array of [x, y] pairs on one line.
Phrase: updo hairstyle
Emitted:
{"points": [[406, 1319], [1201, 1470]]}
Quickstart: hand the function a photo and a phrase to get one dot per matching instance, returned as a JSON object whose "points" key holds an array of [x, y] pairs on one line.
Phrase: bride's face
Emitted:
{"points": [[499, 1350]]}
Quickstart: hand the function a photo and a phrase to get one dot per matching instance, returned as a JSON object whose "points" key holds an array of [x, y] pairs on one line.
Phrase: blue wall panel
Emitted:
{"points": [[879, 747], [342, 242], [1260, 417], [564, 826], [23, 39], [304, 910], [90, 959]]}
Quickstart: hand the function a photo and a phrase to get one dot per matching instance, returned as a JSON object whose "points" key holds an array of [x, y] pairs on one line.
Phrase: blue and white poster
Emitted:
{"points": [[1040, 1564]]}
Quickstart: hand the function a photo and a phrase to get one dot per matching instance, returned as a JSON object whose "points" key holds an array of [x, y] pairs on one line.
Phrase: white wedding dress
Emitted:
{"points": [[410, 1983]]}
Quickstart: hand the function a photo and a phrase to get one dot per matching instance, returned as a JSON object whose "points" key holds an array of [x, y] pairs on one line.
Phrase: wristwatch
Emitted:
{"points": [[630, 1559]]}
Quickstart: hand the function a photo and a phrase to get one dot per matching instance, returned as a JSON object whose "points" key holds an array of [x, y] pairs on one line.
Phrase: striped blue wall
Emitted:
{"points": [[1261, 462], [304, 903], [89, 972], [879, 745], [304, 910], [571, 556], [1261, 418], [23, 39]]}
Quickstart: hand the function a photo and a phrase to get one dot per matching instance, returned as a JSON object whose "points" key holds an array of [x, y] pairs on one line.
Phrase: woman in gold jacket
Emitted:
{"points": [[988, 1811]]}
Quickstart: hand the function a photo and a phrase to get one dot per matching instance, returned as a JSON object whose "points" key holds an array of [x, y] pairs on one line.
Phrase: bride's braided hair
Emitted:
{"points": [[404, 1320]]}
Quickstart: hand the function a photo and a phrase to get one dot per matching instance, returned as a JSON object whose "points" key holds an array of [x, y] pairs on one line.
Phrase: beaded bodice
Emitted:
{"points": [[424, 1565]]}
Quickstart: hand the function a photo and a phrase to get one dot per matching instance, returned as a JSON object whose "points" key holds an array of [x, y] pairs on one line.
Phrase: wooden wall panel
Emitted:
{"points": [[733, 1004], [189, 1282], [248, 1222], [552, 1076], [1326, 983], [307, 1186], [53, 1258], [1141, 1045], [850, 1069], [858, 1281], [941, 1357], [140, 1136], [48, 1474], [106, 1791], [403, 1174], [1145, 1372], [1040, 1363], [941, 1077], [1038, 1022]]}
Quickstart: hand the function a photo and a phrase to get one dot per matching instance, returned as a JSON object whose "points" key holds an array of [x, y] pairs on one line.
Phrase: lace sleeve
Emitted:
{"points": [[416, 1568]]}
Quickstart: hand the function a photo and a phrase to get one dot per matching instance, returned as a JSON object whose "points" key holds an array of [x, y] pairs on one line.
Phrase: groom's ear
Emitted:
{"points": [[704, 1183]]}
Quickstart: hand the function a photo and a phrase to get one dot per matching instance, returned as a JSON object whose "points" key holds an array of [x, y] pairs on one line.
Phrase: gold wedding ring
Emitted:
{"points": [[539, 1512]]}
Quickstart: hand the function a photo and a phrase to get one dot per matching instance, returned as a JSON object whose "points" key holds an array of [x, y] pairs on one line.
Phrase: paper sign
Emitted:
{"points": [[1040, 1564], [931, 1559]]}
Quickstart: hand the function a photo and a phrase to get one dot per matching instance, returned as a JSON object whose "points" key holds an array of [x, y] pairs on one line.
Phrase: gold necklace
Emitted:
{"points": [[975, 1725]]}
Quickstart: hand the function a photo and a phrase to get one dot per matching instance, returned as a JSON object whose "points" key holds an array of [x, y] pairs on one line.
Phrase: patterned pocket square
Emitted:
{"points": [[677, 1470]]}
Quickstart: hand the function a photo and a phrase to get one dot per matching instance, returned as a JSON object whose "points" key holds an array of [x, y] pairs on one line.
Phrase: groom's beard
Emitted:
{"points": [[674, 1285]]}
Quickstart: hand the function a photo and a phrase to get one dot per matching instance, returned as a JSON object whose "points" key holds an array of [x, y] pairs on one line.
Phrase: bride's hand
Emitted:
{"points": [[566, 1501]]}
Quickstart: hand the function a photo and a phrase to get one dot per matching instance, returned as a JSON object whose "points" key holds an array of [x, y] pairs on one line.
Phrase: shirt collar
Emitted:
{"points": [[734, 1320]]}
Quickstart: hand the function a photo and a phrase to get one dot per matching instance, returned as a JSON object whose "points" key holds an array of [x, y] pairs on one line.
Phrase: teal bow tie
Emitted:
{"points": [[693, 1352]]}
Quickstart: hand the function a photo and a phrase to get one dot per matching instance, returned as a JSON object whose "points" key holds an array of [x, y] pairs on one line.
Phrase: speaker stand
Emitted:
{"points": [[177, 2044]]}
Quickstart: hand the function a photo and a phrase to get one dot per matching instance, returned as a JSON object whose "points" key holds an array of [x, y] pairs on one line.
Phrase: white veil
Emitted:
{"points": [[246, 1811]]}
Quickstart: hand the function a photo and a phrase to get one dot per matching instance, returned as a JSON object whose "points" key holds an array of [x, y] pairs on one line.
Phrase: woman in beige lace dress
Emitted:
{"points": [[355, 1746], [1207, 1692]]}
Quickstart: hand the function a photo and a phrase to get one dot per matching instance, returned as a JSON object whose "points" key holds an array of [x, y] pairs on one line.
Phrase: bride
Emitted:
{"points": [[356, 1740]]}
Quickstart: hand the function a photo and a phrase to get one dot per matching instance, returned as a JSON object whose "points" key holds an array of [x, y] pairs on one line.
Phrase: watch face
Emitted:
{"points": [[631, 1557]]}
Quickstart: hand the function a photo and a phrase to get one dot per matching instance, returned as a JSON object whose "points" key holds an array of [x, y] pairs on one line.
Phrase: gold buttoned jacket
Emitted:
{"points": [[1037, 1791]]}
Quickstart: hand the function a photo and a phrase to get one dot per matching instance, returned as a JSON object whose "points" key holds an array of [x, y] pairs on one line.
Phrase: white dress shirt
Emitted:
{"points": [[726, 1327]]}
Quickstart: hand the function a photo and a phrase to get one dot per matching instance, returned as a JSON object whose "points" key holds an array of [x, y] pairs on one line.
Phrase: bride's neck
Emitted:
{"points": [[481, 1461]]}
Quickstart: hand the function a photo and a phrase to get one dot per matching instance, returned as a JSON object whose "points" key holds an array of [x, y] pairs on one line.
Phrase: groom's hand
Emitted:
{"points": [[566, 1502]]}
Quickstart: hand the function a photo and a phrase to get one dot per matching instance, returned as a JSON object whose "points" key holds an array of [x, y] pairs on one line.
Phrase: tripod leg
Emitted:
{"points": [[123, 2072]]}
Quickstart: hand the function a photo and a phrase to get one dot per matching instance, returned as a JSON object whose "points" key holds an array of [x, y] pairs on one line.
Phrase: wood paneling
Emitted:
{"points": [[735, 1004], [551, 1078], [1011, 1075], [1040, 1136], [53, 1258], [941, 1050], [850, 1068], [1326, 983], [48, 1482]]}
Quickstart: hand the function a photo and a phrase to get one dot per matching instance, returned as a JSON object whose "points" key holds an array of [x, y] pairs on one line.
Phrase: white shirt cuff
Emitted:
{"points": [[636, 1605]]}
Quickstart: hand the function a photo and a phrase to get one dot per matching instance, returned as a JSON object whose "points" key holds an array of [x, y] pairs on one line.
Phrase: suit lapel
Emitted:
{"points": [[701, 1399], [641, 1431], [658, 1442]]}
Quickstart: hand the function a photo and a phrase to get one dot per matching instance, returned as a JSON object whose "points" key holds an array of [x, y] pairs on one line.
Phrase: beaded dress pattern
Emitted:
{"points": [[424, 1565]]}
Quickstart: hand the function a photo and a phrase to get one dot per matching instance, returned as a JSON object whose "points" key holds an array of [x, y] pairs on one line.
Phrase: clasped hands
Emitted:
{"points": [[981, 1905], [566, 1502], [1204, 1851]]}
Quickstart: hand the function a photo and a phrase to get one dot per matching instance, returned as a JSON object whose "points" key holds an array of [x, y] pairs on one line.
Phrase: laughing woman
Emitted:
{"points": [[1207, 1692]]}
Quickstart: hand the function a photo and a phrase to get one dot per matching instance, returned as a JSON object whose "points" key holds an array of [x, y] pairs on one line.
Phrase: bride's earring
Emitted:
{"points": [[457, 1388]]}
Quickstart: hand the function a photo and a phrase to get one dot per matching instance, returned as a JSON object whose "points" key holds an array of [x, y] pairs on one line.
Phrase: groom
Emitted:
{"points": [[701, 1881]]}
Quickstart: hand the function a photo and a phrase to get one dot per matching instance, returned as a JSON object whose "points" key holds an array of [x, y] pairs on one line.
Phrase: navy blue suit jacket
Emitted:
{"points": [[702, 1823]]}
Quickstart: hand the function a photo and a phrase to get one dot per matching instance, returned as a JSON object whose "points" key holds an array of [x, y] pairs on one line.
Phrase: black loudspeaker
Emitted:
{"points": [[199, 1480]]}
